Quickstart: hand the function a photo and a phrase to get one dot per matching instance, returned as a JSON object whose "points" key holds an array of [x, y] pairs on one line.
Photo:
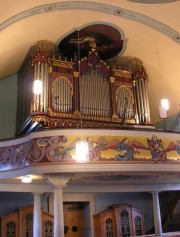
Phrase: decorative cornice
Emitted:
{"points": [[106, 8]]}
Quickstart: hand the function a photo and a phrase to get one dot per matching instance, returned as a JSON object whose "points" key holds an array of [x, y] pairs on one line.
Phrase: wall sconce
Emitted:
{"points": [[26, 179], [165, 104], [37, 88], [82, 152], [163, 110]]}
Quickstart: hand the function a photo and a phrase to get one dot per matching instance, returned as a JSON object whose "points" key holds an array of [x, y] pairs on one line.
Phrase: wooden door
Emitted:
{"points": [[74, 220]]}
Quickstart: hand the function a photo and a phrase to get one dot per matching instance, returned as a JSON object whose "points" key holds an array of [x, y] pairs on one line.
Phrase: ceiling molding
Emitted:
{"points": [[109, 9], [152, 1], [89, 189]]}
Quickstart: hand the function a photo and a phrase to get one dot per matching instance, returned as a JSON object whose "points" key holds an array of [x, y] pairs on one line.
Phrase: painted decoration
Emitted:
{"points": [[101, 148]]}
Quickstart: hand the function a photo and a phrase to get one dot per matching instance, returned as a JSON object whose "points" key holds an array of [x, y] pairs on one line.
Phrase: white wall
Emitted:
{"points": [[8, 106]]}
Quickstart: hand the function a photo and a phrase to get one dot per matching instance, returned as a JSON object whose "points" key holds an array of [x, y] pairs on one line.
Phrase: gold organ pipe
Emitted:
{"points": [[81, 94], [46, 77], [122, 101], [44, 88], [34, 95], [95, 101], [91, 96], [106, 112], [66, 94], [57, 94], [144, 99], [81, 83], [138, 101], [135, 107], [85, 94], [86, 83], [103, 99], [118, 102], [98, 88], [38, 77], [126, 105], [63, 95], [147, 100], [95, 94], [100, 96], [60, 88], [42, 93]]}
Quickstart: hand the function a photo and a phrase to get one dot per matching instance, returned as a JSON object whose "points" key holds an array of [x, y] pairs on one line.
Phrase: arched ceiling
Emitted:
{"points": [[150, 28]]}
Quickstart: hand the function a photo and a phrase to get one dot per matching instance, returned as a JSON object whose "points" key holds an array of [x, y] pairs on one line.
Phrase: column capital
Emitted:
{"points": [[58, 182]]}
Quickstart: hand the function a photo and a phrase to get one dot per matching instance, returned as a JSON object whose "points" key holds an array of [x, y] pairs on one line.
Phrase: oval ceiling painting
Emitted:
{"points": [[107, 40]]}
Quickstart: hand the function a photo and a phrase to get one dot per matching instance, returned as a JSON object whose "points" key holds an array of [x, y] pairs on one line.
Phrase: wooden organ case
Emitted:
{"points": [[20, 223], [85, 92], [120, 220]]}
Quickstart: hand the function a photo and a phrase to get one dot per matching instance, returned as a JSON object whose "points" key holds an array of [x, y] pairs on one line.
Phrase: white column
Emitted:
{"points": [[58, 213], [58, 183], [37, 220], [92, 212], [157, 214]]}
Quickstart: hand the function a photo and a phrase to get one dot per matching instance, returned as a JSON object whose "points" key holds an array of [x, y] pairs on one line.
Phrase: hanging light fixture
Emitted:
{"points": [[26, 179], [37, 87], [82, 147], [82, 152]]}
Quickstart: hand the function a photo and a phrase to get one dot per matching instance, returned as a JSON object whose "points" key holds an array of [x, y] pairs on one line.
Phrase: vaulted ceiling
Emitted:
{"points": [[150, 30]]}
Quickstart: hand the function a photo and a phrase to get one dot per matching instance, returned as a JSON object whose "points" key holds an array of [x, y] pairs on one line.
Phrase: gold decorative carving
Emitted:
{"points": [[112, 79], [76, 74]]}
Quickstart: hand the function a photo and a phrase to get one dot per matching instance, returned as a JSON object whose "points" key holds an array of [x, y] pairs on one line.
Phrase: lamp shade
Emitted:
{"points": [[82, 152], [37, 89], [165, 104], [26, 179]]}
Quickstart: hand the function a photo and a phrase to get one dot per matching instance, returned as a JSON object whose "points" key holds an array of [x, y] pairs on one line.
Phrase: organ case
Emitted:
{"points": [[120, 220], [82, 92]]}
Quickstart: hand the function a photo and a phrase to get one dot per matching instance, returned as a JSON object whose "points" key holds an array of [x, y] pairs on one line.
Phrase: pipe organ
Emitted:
{"points": [[81, 92]]}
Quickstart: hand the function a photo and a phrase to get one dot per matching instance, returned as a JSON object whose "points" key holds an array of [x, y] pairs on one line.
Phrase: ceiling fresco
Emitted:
{"points": [[106, 39]]}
